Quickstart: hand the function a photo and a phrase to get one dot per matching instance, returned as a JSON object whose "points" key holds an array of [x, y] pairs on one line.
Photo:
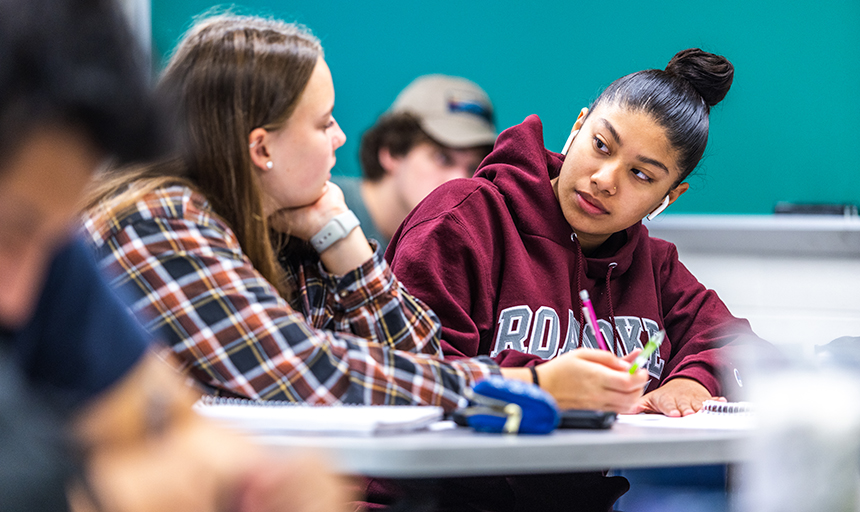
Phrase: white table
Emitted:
{"points": [[462, 452]]}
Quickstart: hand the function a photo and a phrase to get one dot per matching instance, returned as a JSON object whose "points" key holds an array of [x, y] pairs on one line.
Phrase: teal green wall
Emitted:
{"points": [[788, 130]]}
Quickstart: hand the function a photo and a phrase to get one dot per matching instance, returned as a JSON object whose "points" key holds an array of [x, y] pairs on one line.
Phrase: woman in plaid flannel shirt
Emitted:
{"points": [[214, 243]]}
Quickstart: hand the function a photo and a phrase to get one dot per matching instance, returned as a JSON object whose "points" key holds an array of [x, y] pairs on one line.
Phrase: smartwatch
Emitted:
{"points": [[336, 229]]}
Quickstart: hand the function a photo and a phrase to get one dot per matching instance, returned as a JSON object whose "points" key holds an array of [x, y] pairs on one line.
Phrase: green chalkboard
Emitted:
{"points": [[789, 130]]}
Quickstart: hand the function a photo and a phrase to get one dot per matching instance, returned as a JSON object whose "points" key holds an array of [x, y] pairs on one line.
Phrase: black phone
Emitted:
{"points": [[586, 418]]}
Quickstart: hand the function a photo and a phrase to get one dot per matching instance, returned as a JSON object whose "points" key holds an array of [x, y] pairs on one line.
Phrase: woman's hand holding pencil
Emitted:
{"points": [[593, 379]]}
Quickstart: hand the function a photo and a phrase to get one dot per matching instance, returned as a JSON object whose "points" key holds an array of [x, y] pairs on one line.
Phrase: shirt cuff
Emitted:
{"points": [[700, 373], [475, 370], [362, 285]]}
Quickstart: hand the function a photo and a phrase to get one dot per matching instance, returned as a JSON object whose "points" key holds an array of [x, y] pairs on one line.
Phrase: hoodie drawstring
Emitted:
{"points": [[582, 269], [581, 258], [615, 333]]}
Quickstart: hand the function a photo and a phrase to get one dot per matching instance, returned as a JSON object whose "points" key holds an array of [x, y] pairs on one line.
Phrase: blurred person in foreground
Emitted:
{"points": [[90, 419]]}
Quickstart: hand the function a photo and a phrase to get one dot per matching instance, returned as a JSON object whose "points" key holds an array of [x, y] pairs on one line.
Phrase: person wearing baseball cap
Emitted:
{"points": [[439, 128]]}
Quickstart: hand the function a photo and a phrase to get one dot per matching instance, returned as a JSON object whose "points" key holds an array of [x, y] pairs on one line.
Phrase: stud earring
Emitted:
{"points": [[269, 164]]}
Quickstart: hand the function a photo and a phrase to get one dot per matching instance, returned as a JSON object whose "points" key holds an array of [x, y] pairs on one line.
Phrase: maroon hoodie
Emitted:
{"points": [[495, 258]]}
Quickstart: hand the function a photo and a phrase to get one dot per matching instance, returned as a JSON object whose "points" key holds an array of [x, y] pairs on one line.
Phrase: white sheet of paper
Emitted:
{"points": [[698, 420]]}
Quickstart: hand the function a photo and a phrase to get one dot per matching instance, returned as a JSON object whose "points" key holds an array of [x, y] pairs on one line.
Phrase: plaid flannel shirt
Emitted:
{"points": [[359, 338]]}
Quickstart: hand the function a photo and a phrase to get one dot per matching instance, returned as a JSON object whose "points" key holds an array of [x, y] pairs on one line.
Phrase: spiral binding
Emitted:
{"points": [[717, 407], [225, 400], [248, 402]]}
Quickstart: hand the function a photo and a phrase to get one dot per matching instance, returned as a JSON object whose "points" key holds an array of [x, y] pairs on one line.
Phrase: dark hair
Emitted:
{"points": [[75, 62], [398, 132], [678, 98]]}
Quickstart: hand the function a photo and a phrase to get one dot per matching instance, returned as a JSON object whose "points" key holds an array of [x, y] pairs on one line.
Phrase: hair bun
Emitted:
{"points": [[711, 75]]}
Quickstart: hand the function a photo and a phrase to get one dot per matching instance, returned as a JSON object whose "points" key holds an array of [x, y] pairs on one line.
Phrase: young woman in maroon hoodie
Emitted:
{"points": [[501, 258]]}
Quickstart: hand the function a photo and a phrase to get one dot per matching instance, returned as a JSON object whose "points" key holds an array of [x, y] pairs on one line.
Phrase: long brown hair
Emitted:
{"points": [[229, 75]]}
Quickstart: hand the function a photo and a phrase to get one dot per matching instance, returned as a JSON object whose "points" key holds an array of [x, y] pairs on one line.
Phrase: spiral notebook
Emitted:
{"points": [[260, 417], [713, 415]]}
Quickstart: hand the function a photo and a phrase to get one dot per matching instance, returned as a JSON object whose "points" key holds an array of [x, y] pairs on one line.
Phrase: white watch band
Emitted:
{"points": [[336, 229]]}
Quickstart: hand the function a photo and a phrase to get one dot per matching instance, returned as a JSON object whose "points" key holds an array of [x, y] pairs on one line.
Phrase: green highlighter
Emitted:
{"points": [[653, 344]]}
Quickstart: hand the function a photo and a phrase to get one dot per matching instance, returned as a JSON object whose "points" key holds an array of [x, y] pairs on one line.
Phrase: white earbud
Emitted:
{"points": [[659, 210], [567, 144]]}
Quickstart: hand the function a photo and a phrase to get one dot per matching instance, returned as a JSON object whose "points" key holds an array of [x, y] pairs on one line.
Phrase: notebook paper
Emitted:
{"points": [[279, 417], [704, 419]]}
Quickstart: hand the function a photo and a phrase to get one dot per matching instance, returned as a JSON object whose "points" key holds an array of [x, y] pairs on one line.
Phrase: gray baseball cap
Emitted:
{"points": [[453, 111]]}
